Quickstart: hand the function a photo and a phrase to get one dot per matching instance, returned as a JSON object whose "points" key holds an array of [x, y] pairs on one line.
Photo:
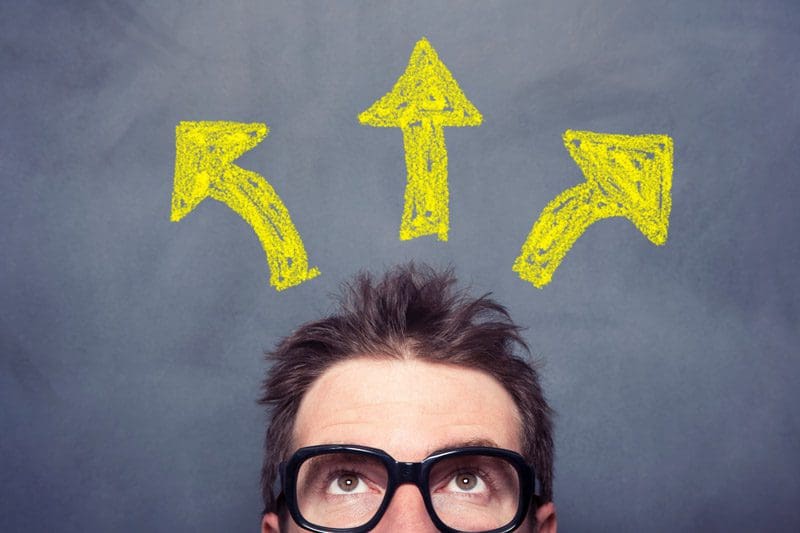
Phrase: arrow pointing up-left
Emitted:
{"points": [[204, 156]]}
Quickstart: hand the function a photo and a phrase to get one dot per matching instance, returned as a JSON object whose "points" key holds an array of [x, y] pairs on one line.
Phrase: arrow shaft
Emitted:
{"points": [[253, 198], [426, 210], [561, 223]]}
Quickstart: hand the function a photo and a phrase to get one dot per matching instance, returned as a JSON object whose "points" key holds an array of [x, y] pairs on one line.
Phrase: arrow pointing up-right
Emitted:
{"points": [[626, 176]]}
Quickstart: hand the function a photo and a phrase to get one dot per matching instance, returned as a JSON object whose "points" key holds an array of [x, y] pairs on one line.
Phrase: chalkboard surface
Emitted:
{"points": [[131, 346]]}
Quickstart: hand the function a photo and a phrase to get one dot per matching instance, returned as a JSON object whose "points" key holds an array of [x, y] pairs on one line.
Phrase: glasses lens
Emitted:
{"points": [[475, 492], [340, 490]]}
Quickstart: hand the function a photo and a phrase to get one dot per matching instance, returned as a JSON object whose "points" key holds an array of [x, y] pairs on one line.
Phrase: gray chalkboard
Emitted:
{"points": [[131, 346]]}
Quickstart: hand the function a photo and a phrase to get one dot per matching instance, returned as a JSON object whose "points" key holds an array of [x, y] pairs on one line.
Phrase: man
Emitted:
{"points": [[408, 410]]}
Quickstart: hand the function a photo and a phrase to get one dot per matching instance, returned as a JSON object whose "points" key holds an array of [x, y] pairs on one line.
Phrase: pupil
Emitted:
{"points": [[347, 483], [467, 481]]}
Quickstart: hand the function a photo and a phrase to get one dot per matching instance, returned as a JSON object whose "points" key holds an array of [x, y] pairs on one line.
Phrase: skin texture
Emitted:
{"points": [[409, 408]]}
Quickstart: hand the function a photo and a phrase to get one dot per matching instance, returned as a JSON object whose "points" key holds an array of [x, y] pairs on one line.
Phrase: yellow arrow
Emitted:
{"points": [[626, 176], [204, 155], [424, 100]]}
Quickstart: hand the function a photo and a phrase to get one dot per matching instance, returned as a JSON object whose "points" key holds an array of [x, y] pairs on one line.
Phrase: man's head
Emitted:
{"points": [[409, 366]]}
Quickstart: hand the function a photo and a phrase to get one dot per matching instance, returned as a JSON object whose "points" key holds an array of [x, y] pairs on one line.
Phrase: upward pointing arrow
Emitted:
{"points": [[204, 156], [424, 100]]}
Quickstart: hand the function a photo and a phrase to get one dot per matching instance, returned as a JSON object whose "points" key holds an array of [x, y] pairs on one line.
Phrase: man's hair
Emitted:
{"points": [[413, 312]]}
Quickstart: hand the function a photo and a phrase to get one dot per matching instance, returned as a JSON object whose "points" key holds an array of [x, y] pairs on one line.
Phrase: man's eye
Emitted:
{"points": [[347, 483], [466, 482]]}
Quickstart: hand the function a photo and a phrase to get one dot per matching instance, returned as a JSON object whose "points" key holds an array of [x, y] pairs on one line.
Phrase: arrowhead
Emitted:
{"points": [[203, 151], [425, 90], [633, 174]]}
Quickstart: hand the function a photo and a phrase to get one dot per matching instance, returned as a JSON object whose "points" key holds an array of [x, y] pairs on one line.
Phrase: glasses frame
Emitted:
{"points": [[400, 473]]}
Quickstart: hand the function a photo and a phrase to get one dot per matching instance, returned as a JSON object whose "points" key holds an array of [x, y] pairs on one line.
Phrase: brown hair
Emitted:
{"points": [[413, 311]]}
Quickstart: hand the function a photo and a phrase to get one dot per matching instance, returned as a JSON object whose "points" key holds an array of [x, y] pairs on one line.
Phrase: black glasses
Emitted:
{"points": [[347, 488]]}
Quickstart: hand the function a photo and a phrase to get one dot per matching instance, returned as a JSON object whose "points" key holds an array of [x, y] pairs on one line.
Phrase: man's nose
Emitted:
{"points": [[406, 512]]}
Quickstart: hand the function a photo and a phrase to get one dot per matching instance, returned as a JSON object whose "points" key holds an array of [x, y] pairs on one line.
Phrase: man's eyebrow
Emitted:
{"points": [[477, 441]]}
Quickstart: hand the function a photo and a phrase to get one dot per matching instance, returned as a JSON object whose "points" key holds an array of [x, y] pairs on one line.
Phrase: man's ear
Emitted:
{"points": [[270, 523], [546, 518]]}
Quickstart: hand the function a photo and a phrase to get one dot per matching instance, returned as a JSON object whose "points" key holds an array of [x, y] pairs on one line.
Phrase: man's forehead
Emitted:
{"points": [[409, 405]]}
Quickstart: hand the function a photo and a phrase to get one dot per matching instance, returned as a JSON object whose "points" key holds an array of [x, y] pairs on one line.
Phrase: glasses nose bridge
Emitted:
{"points": [[409, 473], [406, 473]]}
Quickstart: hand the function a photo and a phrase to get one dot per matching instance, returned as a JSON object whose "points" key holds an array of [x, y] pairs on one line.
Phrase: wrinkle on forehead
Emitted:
{"points": [[412, 405]]}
